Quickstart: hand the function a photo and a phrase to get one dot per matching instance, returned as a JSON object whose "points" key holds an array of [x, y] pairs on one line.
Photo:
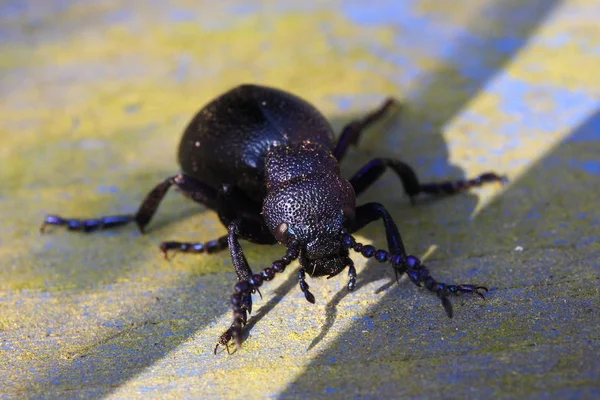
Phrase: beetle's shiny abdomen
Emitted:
{"points": [[227, 141]]}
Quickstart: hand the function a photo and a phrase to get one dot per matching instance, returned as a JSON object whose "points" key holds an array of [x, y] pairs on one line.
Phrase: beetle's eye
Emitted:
{"points": [[282, 234]]}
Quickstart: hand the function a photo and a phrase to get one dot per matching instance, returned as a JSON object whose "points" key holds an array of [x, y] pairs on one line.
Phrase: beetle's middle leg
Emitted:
{"points": [[190, 187], [232, 205], [373, 170]]}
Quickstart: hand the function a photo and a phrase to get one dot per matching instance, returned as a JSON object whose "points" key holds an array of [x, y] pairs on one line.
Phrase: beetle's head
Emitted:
{"points": [[321, 248], [309, 202]]}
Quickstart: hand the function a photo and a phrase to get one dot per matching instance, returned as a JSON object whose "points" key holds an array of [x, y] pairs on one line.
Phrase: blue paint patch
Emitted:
{"points": [[182, 72], [119, 16], [366, 320], [438, 167], [147, 389], [475, 117], [111, 324], [12, 10], [107, 189], [459, 334], [418, 34], [516, 96], [364, 102], [182, 15], [471, 52], [547, 234], [91, 144], [387, 12], [589, 131], [244, 9], [343, 103], [533, 214], [513, 94], [589, 166], [507, 45], [6, 346], [330, 390], [132, 108], [557, 41]]}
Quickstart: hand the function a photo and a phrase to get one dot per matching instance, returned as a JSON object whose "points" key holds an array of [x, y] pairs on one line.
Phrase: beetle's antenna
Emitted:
{"points": [[416, 271]]}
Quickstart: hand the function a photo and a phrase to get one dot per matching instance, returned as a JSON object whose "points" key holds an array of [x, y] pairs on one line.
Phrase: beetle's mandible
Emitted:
{"points": [[267, 162]]}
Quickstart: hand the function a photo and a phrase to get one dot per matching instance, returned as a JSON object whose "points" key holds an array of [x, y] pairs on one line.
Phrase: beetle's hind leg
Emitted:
{"points": [[351, 132], [232, 205], [86, 225], [190, 187], [209, 247], [373, 170]]}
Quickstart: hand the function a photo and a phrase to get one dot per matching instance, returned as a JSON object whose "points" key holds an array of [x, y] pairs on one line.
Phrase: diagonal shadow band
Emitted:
{"points": [[537, 333]]}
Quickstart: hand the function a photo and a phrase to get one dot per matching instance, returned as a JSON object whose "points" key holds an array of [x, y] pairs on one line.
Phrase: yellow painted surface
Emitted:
{"points": [[93, 99]]}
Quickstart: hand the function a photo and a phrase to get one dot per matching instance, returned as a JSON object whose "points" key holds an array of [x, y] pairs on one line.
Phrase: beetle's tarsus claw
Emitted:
{"points": [[447, 305], [398, 276], [482, 288], [226, 345], [141, 226]]}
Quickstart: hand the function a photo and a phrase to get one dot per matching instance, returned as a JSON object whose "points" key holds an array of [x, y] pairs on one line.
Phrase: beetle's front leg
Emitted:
{"points": [[304, 286], [401, 262], [242, 269], [241, 299]]}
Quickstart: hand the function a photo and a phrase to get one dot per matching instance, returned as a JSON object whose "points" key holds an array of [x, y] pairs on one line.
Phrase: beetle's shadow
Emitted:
{"points": [[414, 135]]}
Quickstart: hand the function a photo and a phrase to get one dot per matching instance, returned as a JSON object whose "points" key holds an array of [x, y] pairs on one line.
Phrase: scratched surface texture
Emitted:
{"points": [[94, 95]]}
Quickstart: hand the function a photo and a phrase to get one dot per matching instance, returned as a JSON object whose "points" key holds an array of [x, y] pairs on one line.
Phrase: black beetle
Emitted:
{"points": [[266, 161]]}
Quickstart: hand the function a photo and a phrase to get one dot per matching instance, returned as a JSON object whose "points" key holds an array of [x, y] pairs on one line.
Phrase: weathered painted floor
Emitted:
{"points": [[94, 95]]}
